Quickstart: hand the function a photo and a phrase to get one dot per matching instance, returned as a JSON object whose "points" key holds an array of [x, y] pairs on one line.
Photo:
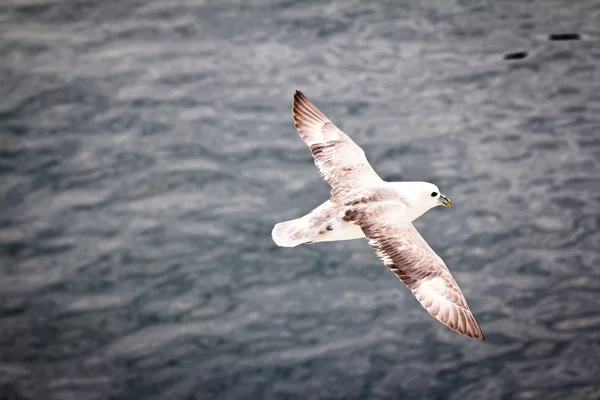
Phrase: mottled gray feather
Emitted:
{"points": [[407, 254], [342, 162]]}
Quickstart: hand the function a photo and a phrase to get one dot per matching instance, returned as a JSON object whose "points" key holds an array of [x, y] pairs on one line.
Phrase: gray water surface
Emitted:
{"points": [[147, 149]]}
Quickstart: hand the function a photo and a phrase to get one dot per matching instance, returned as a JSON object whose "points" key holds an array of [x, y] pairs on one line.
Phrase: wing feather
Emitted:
{"points": [[342, 162], [407, 254]]}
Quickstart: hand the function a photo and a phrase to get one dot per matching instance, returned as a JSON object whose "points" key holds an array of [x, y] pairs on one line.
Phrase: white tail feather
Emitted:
{"points": [[300, 231], [291, 233]]}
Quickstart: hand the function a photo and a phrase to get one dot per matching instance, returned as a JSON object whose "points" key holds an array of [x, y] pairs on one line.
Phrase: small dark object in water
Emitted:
{"points": [[515, 56], [564, 36]]}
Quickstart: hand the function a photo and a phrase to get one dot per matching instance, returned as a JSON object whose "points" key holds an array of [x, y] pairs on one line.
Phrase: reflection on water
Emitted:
{"points": [[147, 149]]}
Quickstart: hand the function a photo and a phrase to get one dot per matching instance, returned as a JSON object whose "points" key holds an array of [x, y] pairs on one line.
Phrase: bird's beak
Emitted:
{"points": [[444, 201]]}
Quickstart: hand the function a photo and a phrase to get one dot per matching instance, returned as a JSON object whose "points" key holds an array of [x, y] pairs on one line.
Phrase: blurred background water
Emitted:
{"points": [[147, 149]]}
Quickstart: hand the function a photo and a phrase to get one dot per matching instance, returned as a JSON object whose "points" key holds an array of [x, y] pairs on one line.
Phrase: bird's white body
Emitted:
{"points": [[326, 223], [323, 224]]}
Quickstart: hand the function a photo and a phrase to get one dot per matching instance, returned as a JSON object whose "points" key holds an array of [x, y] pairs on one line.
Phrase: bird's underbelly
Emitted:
{"points": [[342, 230], [328, 221]]}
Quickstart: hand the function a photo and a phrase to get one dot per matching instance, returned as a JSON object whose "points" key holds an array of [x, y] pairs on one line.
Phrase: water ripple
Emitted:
{"points": [[147, 149]]}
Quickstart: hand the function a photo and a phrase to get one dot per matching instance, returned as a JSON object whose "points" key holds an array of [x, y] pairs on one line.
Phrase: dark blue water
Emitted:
{"points": [[147, 149]]}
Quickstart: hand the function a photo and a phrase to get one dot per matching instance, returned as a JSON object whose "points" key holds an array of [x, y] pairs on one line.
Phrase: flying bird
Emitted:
{"points": [[363, 205]]}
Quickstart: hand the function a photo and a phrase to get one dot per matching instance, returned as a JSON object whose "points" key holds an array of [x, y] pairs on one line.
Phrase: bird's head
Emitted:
{"points": [[422, 196]]}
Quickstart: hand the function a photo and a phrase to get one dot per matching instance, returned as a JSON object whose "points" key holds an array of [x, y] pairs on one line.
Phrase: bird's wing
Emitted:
{"points": [[341, 161], [407, 254]]}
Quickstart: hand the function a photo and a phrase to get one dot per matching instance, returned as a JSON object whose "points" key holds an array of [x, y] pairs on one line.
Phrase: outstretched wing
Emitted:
{"points": [[407, 254], [341, 161]]}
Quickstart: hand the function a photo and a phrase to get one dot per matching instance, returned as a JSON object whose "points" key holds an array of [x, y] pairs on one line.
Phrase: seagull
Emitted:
{"points": [[362, 205]]}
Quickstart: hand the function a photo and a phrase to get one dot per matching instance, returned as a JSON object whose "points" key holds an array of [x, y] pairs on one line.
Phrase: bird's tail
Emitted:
{"points": [[294, 232]]}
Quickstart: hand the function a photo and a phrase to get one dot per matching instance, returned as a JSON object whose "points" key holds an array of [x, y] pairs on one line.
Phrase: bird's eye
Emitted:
{"points": [[433, 194]]}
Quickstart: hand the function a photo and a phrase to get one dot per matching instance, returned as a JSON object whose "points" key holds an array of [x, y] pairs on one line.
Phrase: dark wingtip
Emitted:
{"points": [[298, 96], [477, 335], [479, 332], [481, 337], [299, 100], [473, 335]]}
